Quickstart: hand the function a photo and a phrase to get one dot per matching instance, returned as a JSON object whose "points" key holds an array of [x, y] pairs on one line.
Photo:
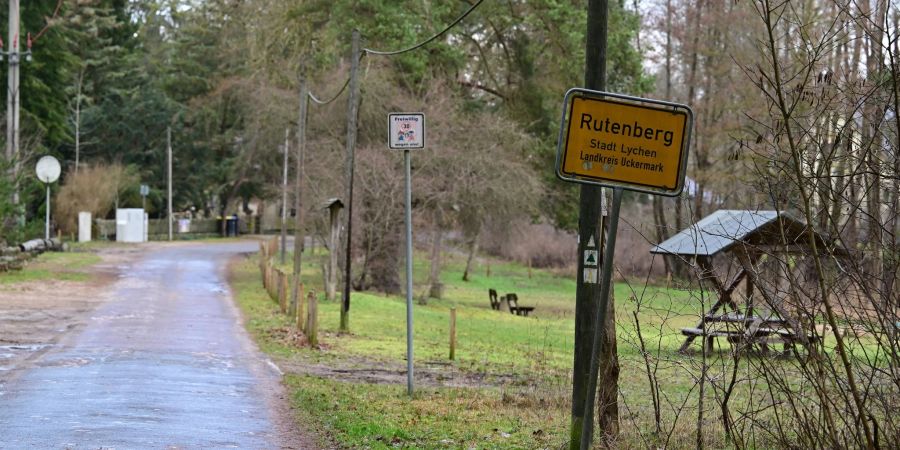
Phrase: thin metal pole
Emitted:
{"points": [[284, 196], [169, 158], [600, 317], [352, 115], [409, 276], [296, 300], [47, 219], [12, 104]]}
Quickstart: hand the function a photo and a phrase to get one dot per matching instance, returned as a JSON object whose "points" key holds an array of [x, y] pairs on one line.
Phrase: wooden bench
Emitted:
{"points": [[495, 302], [513, 301]]}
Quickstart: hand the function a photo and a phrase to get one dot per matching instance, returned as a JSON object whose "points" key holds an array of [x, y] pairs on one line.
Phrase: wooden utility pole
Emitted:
{"points": [[590, 236], [352, 116], [296, 303], [284, 193], [169, 159]]}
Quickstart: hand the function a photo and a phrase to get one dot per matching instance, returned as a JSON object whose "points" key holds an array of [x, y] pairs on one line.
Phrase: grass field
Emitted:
{"points": [[531, 355], [524, 363], [52, 265]]}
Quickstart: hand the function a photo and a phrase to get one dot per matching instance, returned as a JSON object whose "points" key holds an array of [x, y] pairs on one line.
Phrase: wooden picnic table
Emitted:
{"points": [[744, 330]]}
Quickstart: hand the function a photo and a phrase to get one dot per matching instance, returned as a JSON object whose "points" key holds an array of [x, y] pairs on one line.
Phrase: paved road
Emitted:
{"points": [[165, 364]]}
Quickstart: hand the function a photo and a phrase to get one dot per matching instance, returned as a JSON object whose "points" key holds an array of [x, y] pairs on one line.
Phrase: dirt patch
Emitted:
{"points": [[36, 315], [432, 374]]}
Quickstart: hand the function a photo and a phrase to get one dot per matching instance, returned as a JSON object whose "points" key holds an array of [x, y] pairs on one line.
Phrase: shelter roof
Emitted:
{"points": [[721, 230]]}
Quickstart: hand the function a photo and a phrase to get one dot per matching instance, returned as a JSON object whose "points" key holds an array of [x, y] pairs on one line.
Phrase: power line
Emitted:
{"points": [[427, 41], [459, 19], [335, 97]]}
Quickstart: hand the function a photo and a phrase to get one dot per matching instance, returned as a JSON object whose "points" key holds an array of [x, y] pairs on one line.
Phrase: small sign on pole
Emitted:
{"points": [[406, 131], [48, 171]]}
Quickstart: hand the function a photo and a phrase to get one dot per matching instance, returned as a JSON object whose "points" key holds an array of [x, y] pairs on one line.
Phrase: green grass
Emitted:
{"points": [[536, 351], [533, 354], [382, 416], [65, 266]]}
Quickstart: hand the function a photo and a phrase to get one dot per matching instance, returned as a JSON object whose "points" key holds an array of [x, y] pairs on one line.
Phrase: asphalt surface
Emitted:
{"points": [[165, 364]]}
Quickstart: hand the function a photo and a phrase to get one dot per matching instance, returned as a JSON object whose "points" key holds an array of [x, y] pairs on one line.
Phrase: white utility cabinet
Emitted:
{"points": [[131, 225], [84, 227]]}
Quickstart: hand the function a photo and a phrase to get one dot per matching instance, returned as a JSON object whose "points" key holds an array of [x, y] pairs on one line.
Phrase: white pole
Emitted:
{"points": [[12, 102], [169, 154], [47, 218]]}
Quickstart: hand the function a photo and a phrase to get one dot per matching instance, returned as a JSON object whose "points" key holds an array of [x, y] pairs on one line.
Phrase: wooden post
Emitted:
{"points": [[334, 241], [312, 319], [296, 301], [272, 286], [452, 334], [352, 117], [278, 276], [298, 319], [587, 292], [262, 258], [488, 270], [282, 299]]}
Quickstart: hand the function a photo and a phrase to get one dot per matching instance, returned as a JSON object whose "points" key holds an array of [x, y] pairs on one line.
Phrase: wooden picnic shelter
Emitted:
{"points": [[749, 240]]}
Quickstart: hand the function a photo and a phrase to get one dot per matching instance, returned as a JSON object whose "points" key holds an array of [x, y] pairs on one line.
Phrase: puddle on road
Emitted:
{"points": [[10, 353], [24, 347]]}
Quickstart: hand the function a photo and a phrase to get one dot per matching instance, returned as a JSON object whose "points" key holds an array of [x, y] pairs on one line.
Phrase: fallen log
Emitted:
{"points": [[41, 245]]}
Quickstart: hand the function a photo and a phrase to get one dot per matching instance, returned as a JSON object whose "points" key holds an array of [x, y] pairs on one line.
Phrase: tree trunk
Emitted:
{"points": [[383, 256], [662, 230], [435, 288], [473, 250], [79, 87], [608, 389]]}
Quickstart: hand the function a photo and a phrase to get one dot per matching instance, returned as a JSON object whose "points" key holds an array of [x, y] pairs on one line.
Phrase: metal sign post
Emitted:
{"points": [[407, 131], [145, 190], [619, 142], [48, 170]]}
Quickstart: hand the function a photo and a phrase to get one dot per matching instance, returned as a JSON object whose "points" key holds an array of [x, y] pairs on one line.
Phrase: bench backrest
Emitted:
{"points": [[513, 301], [492, 294]]}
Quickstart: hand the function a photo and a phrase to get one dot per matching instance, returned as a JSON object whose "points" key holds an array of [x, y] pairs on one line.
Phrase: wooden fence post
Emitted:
{"points": [[282, 299], [452, 333], [312, 319], [262, 258], [272, 285], [279, 290], [299, 312]]}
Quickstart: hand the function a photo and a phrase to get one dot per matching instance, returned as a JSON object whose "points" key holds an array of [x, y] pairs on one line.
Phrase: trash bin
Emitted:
{"points": [[231, 226]]}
